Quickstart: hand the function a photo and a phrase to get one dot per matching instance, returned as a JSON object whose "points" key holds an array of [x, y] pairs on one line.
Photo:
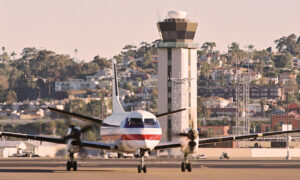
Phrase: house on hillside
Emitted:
{"points": [[285, 77], [210, 131], [266, 92], [216, 102], [293, 118]]}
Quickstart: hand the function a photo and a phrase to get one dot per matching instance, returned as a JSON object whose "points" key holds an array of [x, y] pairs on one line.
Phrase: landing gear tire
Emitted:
{"points": [[144, 169], [183, 167], [75, 166], [68, 166], [189, 167], [186, 166]]}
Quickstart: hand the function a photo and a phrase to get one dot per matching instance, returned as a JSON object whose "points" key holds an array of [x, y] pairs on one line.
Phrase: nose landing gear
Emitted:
{"points": [[142, 167], [71, 163], [186, 165]]}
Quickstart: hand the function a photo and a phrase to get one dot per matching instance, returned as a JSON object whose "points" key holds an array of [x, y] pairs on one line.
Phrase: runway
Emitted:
{"points": [[44, 169]]}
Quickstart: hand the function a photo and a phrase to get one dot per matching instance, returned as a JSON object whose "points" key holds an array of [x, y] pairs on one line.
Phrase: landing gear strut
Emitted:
{"points": [[142, 167], [186, 164], [71, 163]]}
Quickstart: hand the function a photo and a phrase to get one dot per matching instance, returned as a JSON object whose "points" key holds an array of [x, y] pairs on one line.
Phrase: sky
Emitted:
{"points": [[104, 27]]}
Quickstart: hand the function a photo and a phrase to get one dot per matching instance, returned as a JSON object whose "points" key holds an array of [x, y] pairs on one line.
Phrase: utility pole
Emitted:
{"points": [[287, 125]]}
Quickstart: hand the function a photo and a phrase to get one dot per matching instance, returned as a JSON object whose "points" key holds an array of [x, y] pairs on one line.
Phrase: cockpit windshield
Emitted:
{"points": [[135, 122], [140, 123], [150, 121]]}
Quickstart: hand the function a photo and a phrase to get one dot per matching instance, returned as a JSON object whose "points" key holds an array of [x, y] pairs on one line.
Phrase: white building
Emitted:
{"points": [[11, 148], [177, 74], [100, 80], [256, 108], [296, 62], [274, 80], [152, 82], [216, 102]]}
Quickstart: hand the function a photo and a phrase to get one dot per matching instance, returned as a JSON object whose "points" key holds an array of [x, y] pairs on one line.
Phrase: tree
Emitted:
{"points": [[288, 45], [4, 82], [13, 54], [76, 52], [282, 61], [102, 62], [262, 103], [250, 47], [236, 52], [4, 56], [50, 128], [94, 108], [298, 79], [89, 135], [28, 53], [262, 81], [234, 47], [208, 46], [269, 49], [11, 97]]}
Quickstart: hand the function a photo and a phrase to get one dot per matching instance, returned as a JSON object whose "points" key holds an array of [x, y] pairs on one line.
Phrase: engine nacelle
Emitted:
{"points": [[72, 146], [189, 143]]}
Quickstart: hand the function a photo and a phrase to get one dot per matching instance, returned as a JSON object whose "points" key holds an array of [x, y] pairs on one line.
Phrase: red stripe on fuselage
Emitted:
{"points": [[153, 137]]}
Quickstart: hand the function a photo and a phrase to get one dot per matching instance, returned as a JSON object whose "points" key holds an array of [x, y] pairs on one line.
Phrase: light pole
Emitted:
{"points": [[287, 134]]}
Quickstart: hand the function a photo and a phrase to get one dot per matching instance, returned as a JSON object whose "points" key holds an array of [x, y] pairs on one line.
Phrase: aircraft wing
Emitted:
{"points": [[89, 144], [244, 136], [34, 137], [98, 145], [167, 146], [225, 138]]}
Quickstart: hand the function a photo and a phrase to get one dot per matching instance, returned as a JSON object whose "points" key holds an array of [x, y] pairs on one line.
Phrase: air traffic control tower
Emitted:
{"points": [[177, 73]]}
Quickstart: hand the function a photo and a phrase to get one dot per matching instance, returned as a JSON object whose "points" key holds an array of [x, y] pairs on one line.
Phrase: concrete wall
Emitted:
{"points": [[275, 152], [51, 150], [248, 152], [232, 152]]}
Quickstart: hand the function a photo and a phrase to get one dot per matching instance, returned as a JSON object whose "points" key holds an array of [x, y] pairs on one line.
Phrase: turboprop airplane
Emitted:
{"points": [[131, 132]]}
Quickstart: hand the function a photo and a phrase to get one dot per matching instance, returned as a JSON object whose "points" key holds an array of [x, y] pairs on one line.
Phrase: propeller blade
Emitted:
{"points": [[170, 112], [77, 116], [182, 134], [191, 134]]}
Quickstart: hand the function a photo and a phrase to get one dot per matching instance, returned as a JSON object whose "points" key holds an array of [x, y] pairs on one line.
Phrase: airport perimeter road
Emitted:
{"points": [[53, 169]]}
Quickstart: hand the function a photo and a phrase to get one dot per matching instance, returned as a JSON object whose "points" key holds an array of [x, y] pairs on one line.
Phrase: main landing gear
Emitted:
{"points": [[186, 165], [71, 163], [142, 167]]}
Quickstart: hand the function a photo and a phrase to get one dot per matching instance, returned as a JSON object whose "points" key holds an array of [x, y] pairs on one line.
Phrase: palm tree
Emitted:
{"points": [[76, 51], [211, 45], [208, 46], [13, 54], [235, 47], [262, 105], [250, 47]]}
